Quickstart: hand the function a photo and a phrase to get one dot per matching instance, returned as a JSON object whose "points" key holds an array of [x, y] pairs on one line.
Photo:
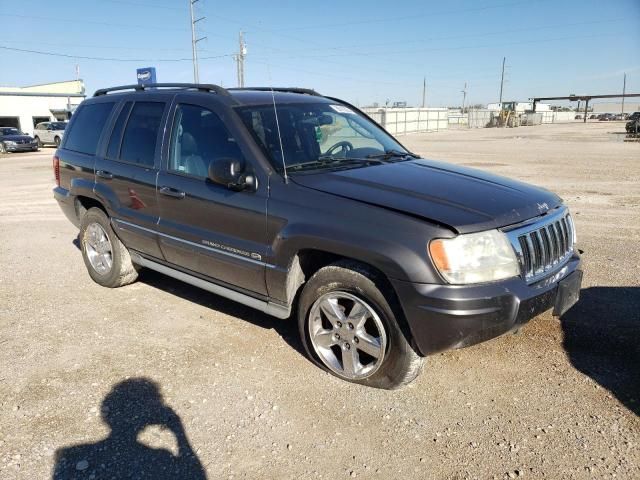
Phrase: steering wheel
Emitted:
{"points": [[344, 146]]}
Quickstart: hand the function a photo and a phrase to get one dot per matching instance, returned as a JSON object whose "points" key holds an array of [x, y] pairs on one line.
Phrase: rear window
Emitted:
{"points": [[88, 123], [140, 135]]}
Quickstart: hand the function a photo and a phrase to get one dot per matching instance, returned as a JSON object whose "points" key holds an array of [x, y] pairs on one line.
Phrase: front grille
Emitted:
{"points": [[545, 245]]}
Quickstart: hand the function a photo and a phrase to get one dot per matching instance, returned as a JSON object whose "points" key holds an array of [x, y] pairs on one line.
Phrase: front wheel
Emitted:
{"points": [[39, 142], [349, 328], [3, 149], [106, 258], [57, 141]]}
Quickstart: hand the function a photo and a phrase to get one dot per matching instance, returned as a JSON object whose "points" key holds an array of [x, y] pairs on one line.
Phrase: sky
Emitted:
{"points": [[363, 51]]}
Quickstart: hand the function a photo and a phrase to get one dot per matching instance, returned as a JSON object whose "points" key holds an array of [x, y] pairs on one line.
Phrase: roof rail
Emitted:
{"points": [[306, 91], [203, 87]]}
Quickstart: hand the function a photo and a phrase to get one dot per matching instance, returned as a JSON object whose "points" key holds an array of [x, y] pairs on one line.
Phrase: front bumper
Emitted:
{"points": [[21, 147], [443, 317]]}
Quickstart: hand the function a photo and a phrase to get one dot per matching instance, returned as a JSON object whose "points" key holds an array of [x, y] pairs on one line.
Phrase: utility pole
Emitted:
{"points": [[239, 58], [624, 90], [194, 41], [464, 96], [502, 80], [424, 91]]}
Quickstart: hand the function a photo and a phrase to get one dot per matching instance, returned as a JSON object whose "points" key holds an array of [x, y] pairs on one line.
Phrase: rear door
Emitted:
{"points": [[126, 172], [205, 227]]}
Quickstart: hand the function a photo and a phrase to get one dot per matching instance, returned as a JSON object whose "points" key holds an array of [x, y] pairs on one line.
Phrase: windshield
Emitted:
{"points": [[58, 125], [10, 131], [312, 134]]}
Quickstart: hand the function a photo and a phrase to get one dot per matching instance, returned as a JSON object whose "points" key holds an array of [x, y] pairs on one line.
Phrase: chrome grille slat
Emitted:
{"points": [[545, 245]]}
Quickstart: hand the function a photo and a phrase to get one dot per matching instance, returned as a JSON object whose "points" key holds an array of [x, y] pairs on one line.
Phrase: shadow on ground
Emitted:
{"points": [[128, 409], [287, 329], [601, 337]]}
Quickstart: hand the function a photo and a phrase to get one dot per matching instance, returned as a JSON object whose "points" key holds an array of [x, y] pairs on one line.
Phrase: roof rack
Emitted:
{"points": [[203, 87], [306, 91]]}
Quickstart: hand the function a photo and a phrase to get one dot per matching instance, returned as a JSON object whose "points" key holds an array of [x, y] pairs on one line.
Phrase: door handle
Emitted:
{"points": [[171, 192], [103, 174]]}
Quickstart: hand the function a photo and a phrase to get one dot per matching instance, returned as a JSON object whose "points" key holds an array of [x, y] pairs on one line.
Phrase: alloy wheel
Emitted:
{"points": [[347, 334], [98, 248]]}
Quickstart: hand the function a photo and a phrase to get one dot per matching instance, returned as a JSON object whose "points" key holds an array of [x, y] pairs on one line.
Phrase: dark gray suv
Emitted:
{"points": [[298, 204]]}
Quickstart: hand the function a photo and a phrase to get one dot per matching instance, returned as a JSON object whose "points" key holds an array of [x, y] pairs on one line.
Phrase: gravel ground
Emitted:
{"points": [[227, 391]]}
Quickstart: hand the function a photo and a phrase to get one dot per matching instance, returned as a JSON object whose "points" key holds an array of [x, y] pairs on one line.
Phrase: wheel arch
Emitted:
{"points": [[307, 261]]}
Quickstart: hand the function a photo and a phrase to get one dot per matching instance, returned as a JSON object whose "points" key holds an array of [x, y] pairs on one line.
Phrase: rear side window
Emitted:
{"points": [[140, 134], [113, 151], [87, 127]]}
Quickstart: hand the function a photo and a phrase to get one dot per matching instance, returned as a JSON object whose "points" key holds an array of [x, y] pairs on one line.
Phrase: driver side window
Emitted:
{"points": [[199, 136]]}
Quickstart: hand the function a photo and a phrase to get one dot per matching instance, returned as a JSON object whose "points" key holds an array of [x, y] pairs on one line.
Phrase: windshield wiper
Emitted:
{"points": [[393, 153], [331, 162]]}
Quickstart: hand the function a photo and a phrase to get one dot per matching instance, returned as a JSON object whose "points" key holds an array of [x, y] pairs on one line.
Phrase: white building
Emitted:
{"points": [[24, 107]]}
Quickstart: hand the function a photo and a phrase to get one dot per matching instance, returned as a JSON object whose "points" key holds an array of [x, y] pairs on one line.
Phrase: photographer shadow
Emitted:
{"points": [[601, 335], [129, 408]]}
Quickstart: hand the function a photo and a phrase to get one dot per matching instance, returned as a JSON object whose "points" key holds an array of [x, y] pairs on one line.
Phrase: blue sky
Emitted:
{"points": [[363, 51]]}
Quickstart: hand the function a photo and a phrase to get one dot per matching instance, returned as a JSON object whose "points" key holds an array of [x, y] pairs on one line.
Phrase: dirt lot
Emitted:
{"points": [[559, 400]]}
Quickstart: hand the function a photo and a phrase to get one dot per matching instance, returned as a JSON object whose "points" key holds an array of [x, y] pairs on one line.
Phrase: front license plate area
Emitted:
{"points": [[568, 293]]}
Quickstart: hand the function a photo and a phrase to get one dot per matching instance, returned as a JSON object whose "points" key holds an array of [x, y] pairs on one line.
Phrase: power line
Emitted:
{"points": [[111, 59], [457, 37], [422, 14]]}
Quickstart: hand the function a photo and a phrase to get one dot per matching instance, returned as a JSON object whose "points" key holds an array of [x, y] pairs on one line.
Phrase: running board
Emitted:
{"points": [[278, 311]]}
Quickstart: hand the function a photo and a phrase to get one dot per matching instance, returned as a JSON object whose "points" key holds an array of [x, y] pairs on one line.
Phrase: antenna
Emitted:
{"points": [[275, 111]]}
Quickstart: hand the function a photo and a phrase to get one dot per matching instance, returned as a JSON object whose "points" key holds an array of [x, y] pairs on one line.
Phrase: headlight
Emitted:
{"points": [[9, 142], [474, 257]]}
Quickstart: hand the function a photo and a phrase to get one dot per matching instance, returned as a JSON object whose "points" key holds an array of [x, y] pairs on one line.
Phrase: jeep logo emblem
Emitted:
{"points": [[543, 207]]}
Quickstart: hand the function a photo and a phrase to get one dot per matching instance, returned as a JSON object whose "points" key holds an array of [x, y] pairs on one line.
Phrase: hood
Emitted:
{"points": [[15, 138], [464, 199]]}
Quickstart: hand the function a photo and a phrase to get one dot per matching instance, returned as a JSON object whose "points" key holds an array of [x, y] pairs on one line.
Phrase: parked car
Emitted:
{"points": [[621, 116], [633, 125], [13, 140], [593, 116], [297, 204], [606, 117], [578, 117], [49, 133]]}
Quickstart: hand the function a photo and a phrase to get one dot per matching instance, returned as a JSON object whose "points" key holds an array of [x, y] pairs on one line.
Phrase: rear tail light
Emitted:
{"points": [[56, 169]]}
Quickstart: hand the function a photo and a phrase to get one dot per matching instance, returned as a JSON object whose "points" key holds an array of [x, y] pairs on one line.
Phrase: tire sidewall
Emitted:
{"points": [[96, 215], [331, 279]]}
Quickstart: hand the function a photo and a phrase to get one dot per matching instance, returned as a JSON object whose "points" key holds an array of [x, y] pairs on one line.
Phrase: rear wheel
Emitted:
{"points": [[349, 328], [106, 258], [2, 148], [39, 142]]}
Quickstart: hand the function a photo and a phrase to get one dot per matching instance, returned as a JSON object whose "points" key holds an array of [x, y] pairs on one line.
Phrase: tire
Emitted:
{"points": [[3, 149], [56, 140], [96, 236], [389, 362], [39, 142]]}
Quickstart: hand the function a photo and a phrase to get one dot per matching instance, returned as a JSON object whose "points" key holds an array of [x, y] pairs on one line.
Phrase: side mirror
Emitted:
{"points": [[230, 173]]}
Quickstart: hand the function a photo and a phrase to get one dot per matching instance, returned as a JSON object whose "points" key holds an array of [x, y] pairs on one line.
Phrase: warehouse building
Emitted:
{"points": [[24, 107]]}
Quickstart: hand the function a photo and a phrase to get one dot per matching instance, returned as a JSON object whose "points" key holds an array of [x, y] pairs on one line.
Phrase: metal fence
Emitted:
{"points": [[400, 121], [479, 118]]}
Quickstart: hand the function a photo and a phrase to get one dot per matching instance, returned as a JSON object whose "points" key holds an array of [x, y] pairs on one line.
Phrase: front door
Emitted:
{"points": [[205, 227], [126, 174]]}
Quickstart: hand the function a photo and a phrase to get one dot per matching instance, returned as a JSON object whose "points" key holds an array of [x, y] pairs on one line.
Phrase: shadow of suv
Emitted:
{"points": [[292, 202]]}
